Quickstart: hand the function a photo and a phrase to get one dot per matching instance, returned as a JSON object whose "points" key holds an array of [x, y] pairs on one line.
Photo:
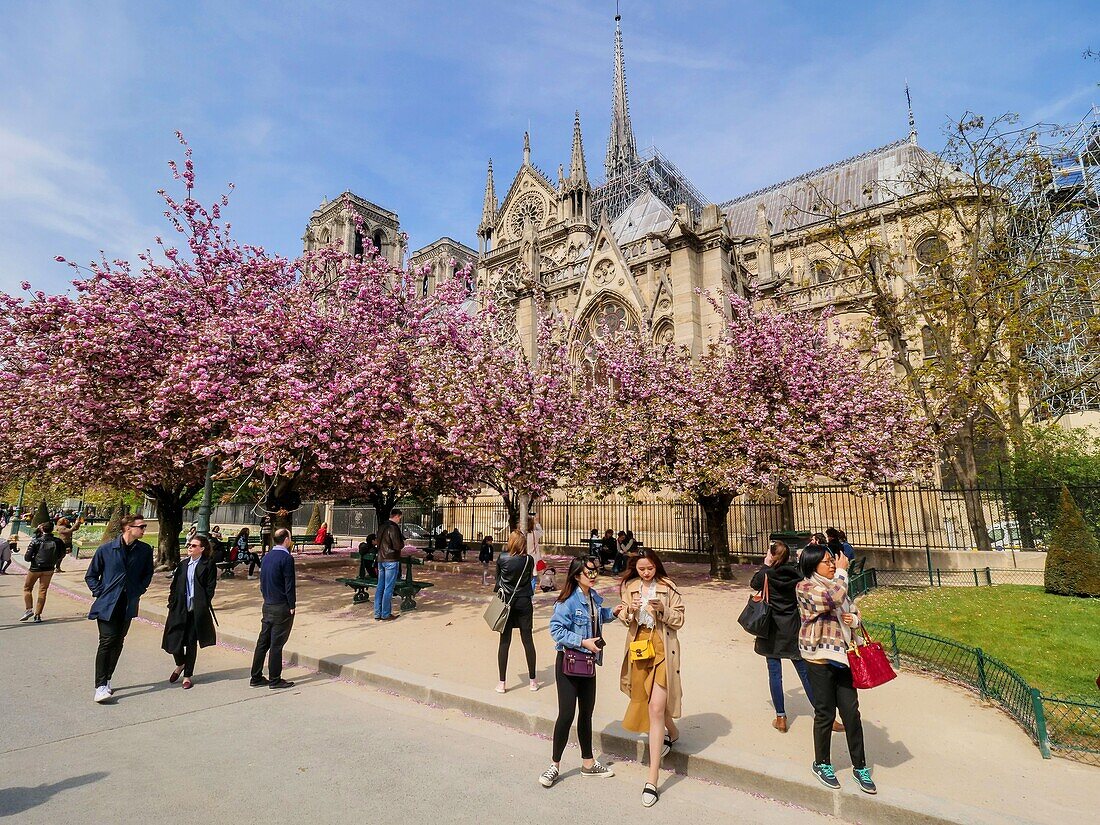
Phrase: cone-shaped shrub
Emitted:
{"points": [[1073, 560]]}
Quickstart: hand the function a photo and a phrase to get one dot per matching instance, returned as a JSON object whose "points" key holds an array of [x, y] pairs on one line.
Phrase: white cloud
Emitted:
{"points": [[56, 203]]}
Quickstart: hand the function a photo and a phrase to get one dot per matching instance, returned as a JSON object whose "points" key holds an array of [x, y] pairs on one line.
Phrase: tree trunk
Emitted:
{"points": [[966, 471], [717, 508], [169, 502], [281, 502], [510, 497], [383, 502], [786, 507]]}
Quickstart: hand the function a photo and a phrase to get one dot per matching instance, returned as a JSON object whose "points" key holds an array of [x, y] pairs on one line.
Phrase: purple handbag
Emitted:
{"points": [[581, 662], [578, 663]]}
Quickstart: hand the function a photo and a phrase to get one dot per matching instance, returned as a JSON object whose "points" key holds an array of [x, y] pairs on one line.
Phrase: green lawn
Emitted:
{"points": [[1052, 641]]}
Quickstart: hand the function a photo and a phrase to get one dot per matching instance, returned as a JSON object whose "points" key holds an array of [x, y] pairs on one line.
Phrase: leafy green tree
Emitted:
{"points": [[1073, 561]]}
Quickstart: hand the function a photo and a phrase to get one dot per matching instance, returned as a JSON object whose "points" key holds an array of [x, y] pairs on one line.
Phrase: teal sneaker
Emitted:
{"points": [[863, 779], [826, 775]]}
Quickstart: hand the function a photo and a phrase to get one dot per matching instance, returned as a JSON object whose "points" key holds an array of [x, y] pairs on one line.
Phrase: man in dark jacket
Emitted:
{"points": [[277, 587], [390, 543], [118, 577], [43, 554]]}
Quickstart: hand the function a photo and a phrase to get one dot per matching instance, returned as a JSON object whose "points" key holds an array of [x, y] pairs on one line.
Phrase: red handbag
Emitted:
{"points": [[869, 663]]}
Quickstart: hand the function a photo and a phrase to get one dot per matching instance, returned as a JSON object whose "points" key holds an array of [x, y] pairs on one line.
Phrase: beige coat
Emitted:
{"points": [[670, 620]]}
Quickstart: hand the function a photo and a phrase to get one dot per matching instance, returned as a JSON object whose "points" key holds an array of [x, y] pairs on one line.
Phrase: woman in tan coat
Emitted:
{"points": [[653, 611]]}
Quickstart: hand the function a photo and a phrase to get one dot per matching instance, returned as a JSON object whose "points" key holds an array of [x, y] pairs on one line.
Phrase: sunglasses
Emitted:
{"points": [[139, 526], [195, 544], [591, 572]]}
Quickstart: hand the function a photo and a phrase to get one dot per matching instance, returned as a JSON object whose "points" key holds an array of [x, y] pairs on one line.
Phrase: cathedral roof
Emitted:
{"points": [[646, 214], [849, 183]]}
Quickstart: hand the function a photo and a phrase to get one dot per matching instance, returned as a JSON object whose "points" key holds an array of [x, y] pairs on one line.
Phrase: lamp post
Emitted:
{"points": [[203, 525], [18, 510]]}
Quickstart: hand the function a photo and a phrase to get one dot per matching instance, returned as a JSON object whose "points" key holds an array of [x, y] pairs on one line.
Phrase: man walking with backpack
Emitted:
{"points": [[43, 554]]}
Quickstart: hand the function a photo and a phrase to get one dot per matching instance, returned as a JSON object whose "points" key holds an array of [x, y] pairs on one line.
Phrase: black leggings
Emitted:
{"points": [[521, 616], [573, 691], [833, 691]]}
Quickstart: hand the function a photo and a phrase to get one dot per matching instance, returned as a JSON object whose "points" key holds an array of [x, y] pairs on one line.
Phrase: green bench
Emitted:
{"points": [[406, 588]]}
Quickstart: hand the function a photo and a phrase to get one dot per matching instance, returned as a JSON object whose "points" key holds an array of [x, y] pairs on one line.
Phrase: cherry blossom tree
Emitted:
{"points": [[518, 422], [776, 399], [103, 374]]}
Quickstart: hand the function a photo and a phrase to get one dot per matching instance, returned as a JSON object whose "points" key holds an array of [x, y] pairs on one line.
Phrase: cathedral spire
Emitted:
{"points": [[526, 149], [489, 210], [912, 120], [577, 172], [621, 150]]}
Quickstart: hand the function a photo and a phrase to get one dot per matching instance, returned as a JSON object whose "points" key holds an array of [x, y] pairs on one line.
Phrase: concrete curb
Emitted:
{"points": [[745, 772]]}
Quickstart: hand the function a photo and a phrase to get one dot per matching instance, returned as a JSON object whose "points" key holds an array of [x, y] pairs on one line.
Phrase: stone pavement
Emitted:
{"points": [[324, 751], [938, 754]]}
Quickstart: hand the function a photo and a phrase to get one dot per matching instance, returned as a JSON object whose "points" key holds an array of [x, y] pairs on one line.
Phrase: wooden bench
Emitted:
{"points": [[406, 588]]}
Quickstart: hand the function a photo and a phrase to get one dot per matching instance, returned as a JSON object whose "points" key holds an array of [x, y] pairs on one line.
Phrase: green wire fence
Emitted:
{"points": [[1059, 725]]}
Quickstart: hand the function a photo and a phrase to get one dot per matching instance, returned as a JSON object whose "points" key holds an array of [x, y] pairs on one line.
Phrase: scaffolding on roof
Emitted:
{"points": [[1060, 210], [650, 172]]}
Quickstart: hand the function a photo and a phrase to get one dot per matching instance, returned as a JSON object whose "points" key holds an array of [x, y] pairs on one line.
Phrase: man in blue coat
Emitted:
{"points": [[118, 577]]}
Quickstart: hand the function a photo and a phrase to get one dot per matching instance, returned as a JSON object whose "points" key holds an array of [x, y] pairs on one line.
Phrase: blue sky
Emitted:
{"points": [[403, 102]]}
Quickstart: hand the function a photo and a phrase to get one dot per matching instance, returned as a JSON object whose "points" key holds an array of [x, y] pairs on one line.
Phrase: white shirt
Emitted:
{"points": [[647, 592], [191, 565]]}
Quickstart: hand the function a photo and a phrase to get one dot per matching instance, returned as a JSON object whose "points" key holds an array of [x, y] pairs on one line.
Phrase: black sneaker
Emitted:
{"points": [[826, 775], [597, 770], [863, 779], [279, 684], [260, 682]]}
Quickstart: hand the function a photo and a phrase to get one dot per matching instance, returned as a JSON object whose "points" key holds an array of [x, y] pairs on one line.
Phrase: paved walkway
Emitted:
{"points": [[321, 752], [938, 754]]}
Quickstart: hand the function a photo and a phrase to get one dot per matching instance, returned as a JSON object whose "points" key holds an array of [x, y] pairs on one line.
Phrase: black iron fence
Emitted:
{"points": [[1064, 726], [896, 517]]}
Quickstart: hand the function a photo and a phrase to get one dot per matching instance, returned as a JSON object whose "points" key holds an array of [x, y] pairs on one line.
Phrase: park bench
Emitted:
{"points": [[406, 588]]}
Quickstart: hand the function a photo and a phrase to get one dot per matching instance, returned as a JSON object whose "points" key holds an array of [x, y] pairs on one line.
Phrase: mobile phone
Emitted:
{"points": [[600, 642]]}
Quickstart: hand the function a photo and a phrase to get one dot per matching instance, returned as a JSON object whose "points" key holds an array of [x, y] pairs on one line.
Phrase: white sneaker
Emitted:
{"points": [[110, 690], [535, 684], [102, 694], [26, 615], [549, 776]]}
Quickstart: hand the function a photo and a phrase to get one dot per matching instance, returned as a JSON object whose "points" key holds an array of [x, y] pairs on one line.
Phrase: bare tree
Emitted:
{"points": [[979, 274]]}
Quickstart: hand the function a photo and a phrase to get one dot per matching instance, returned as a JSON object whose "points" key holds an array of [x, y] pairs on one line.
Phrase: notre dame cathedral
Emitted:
{"points": [[636, 249]]}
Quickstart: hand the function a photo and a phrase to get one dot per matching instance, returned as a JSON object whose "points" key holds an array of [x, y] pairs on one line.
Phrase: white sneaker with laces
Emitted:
{"points": [[26, 615], [549, 776], [102, 694]]}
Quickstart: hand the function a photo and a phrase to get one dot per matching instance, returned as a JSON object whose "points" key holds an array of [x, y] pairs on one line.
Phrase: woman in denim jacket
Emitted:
{"points": [[577, 624]]}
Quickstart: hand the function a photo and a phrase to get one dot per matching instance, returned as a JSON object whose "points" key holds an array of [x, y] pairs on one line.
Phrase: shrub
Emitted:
{"points": [[41, 515], [314, 520], [1073, 561]]}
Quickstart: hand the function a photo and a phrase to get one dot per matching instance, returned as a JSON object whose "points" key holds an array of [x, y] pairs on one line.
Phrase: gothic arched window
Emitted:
{"points": [[821, 273], [358, 252], [379, 239], [933, 257]]}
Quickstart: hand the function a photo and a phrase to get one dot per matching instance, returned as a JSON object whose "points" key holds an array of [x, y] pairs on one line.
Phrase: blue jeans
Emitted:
{"points": [[775, 682], [388, 571]]}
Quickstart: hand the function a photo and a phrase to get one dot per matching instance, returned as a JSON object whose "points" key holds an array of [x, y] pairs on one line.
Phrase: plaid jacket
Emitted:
{"points": [[821, 637]]}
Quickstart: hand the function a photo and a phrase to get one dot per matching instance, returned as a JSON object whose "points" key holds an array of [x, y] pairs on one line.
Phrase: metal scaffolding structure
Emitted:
{"points": [[1057, 216], [650, 171]]}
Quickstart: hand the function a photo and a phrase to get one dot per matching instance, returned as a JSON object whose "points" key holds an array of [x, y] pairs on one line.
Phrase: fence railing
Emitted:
{"points": [[1063, 726], [937, 577], [896, 517]]}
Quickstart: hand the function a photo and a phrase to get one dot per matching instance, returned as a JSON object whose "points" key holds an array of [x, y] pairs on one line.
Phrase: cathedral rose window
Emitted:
{"points": [[529, 208]]}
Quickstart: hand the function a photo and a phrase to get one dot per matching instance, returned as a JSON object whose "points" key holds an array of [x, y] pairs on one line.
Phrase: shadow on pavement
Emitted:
{"points": [[18, 800]]}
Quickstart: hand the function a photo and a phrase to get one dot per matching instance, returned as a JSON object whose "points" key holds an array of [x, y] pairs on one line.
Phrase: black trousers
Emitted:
{"points": [[833, 691], [573, 692], [186, 659], [274, 631], [521, 616], [112, 634]]}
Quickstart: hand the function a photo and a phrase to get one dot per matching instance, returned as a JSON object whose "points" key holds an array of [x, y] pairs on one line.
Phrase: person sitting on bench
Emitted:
{"points": [[368, 568]]}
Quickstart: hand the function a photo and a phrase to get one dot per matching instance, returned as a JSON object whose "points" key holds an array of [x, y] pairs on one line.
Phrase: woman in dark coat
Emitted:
{"points": [[782, 575], [190, 621]]}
